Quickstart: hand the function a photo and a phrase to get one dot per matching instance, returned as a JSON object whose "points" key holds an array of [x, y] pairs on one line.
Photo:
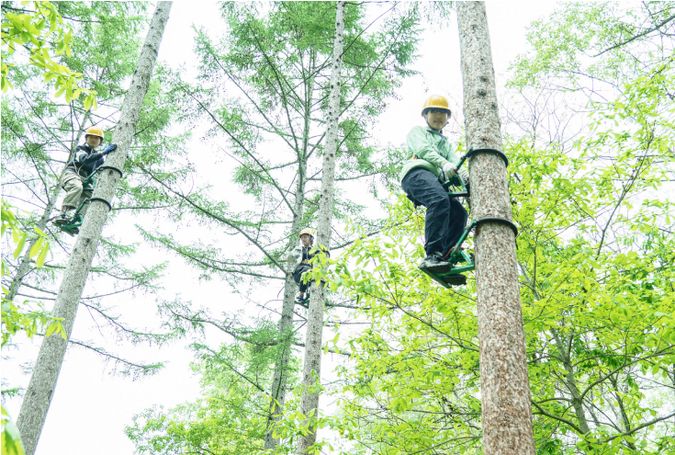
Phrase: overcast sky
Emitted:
{"points": [[91, 407]]}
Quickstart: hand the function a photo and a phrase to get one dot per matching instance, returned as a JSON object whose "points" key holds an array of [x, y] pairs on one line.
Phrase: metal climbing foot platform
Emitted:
{"points": [[445, 275], [71, 226], [459, 261], [451, 274]]}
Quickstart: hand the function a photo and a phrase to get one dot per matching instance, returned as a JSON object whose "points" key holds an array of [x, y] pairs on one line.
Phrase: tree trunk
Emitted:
{"points": [[26, 264], [505, 392], [43, 381], [570, 382], [286, 332], [311, 376]]}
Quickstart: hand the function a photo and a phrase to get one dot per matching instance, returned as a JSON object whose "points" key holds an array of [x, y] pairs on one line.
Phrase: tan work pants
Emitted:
{"points": [[75, 192]]}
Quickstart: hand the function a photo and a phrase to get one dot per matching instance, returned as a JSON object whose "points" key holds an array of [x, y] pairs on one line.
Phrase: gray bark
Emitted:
{"points": [[26, 264], [50, 358], [505, 392], [571, 383], [311, 376], [280, 377]]}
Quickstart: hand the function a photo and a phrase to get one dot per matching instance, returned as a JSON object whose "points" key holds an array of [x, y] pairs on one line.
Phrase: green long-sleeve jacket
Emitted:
{"points": [[428, 149]]}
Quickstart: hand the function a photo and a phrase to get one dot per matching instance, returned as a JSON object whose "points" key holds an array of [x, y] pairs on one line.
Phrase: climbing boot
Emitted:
{"points": [[302, 298], [433, 261], [63, 218]]}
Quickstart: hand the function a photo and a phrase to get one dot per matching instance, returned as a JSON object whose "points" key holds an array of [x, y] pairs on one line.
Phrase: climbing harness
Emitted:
{"points": [[459, 261]]}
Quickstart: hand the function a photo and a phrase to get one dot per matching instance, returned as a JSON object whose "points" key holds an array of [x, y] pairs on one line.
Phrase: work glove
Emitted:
{"points": [[295, 255], [448, 171], [109, 149], [465, 175]]}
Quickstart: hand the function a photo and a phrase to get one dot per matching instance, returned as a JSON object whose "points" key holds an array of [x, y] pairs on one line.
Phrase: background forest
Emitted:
{"points": [[272, 117]]}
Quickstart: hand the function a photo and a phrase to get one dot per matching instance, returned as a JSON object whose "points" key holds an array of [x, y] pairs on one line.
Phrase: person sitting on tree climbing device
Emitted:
{"points": [[432, 164], [82, 163], [304, 254]]}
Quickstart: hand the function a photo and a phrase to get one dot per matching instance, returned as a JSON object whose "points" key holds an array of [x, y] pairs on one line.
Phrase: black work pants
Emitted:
{"points": [[445, 218], [297, 276]]}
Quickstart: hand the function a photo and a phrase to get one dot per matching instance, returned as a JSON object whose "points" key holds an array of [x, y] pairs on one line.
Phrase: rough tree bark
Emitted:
{"points": [[45, 374], [505, 392], [311, 375], [286, 332]]}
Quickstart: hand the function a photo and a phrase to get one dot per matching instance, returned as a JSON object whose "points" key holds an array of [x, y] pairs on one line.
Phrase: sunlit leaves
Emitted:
{"points": [[22, 318], [11, 438], [41, 32], [230, 417]]}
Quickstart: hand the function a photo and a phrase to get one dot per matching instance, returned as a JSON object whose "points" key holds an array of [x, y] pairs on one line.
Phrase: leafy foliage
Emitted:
{"points": [[11, 439], [22, 318], [43, 34], [594, 250], [231, 414]]}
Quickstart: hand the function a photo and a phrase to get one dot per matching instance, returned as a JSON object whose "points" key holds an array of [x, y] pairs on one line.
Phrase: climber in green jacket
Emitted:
{"points": [[432, 164]]}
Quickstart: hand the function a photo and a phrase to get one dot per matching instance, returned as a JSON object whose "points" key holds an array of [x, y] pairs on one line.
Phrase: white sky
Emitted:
{"points": [[91, 407]]}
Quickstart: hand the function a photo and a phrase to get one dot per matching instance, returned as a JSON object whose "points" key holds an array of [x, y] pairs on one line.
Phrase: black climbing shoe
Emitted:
{"points": [[433, 261], [302, 299], [62, 219]]}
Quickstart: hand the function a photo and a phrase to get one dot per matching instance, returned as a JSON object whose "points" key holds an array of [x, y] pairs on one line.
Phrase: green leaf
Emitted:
{"points": [[20, 243], [35, 249], [11, 438], [42, 256]]}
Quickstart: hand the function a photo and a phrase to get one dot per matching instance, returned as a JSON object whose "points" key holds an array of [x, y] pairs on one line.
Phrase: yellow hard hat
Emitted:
{"points": [[436, 102], [98, 132], [309, 231]]}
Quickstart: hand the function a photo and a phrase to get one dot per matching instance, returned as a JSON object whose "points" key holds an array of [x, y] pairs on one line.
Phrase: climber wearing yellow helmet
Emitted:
{"points": [[432, 163], [305, 252], [83, 162]]}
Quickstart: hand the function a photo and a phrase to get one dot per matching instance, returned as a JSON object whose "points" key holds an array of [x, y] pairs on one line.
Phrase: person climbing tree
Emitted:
{"points": [[433, 164], [82, 164], [304, 253], [42, 386]]}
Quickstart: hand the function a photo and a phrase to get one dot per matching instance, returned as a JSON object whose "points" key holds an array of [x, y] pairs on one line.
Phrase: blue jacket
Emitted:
{"points": [[85, 160]]}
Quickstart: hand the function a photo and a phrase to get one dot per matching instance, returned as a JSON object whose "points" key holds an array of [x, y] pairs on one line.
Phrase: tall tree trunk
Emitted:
{"points": [[311, 376], [280, 377], [505, 392], [286, 332], [45, 375]]}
